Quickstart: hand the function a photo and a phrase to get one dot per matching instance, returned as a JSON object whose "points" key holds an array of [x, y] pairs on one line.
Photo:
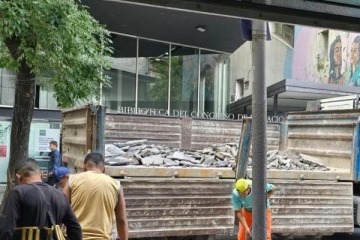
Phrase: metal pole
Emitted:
{"points": [[100, 129], [198, 83], [244, 148], [259, 130], [275, 105], [169, 80], [137, 76]]}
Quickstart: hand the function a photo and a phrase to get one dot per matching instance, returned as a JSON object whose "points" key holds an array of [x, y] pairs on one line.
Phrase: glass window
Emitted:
{"points": [[184, 81], [41, 133], [120, 96], [7, 87], [46, 98], [153, 70], [214, 84]]}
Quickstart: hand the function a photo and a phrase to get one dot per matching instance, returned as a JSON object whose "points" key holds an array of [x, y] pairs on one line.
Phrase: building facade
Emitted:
{"points": [[302, 64]]}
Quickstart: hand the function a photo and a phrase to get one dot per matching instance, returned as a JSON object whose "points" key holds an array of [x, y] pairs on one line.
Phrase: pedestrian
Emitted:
{"points": [[31, 203], [61, 175], [54, 161], [242, 201], [97, 200]]}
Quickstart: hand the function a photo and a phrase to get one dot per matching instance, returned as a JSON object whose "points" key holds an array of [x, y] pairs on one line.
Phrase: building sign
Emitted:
{"points": [[193, 114], [44, 137]]}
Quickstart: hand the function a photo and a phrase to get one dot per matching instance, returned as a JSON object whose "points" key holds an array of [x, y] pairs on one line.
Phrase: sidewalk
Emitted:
{"points": [[226, 237]]}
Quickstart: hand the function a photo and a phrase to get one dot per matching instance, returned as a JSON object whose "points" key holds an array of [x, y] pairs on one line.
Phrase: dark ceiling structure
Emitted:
{"points": [[187, 28], [219, 21], [333, 14]]}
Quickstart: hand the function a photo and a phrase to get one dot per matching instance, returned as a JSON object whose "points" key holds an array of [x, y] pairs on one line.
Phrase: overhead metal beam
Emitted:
{"points": [[340, 14]]}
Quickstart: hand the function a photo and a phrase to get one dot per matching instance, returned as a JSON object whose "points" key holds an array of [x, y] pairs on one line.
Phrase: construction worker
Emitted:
{"points": [[97, 200], [61, 177], [34, 206], [242, 201]]}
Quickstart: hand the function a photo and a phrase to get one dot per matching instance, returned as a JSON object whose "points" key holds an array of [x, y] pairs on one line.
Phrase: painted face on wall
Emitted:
{"points": [[338, 53], [354, 54]]}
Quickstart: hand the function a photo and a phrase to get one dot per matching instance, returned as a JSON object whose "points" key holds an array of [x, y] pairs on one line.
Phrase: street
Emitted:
{"points": [[343, 236]]}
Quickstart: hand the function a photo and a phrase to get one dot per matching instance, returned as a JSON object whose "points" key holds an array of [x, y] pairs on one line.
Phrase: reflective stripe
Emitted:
{"points": [[27, 233]]}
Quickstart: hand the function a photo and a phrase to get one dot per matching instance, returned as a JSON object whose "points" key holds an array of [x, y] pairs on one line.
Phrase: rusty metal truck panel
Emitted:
{"points": [[185, 133], [168, 172], [206, 132], [328, 135], [181, 172], [159, 207], [77, 133], [157, 130], [333, 174], [302, 207]]}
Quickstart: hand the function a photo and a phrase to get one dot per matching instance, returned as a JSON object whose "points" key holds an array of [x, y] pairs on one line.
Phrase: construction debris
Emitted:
{"points": [[216, 155], [287, 160], [139, 153]]}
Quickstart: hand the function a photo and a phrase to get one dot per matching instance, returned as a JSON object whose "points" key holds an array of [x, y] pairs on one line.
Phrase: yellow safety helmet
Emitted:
{"points": [[242, 184]]}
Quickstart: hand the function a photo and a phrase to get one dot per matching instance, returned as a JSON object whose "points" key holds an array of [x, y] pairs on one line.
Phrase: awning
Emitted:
{"points": [[218, 33]]}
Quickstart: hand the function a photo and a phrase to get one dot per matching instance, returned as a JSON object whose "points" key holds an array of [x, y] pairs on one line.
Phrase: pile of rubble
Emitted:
{"points": [[216, 155], [139, 153], [287, 160]]}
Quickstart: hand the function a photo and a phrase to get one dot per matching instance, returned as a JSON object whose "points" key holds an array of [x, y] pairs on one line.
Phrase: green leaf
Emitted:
{"points": [[58, 39]]}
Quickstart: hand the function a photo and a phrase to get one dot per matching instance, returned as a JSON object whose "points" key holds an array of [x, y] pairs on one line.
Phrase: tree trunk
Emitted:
{"points": [[21, 118]]}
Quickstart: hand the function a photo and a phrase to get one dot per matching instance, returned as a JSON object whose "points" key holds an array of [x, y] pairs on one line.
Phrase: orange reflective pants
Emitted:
{"points": [[248, 219]]}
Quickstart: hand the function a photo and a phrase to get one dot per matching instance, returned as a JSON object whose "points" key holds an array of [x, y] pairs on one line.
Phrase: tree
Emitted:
{"points": [[53, 39], [159, 91]]}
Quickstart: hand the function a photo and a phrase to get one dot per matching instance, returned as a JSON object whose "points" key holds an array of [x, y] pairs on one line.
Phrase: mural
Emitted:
{"points": [[352, 72], [326, 56]]}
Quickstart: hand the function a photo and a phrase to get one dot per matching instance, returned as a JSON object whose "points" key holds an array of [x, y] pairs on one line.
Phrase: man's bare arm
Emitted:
{"points": [[271, 192], [242, 220], [67, 191], [121, 218]]}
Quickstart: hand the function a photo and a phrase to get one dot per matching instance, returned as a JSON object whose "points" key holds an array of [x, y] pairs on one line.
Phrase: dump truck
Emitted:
{"points": [[195, 203], [176, 202]]}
